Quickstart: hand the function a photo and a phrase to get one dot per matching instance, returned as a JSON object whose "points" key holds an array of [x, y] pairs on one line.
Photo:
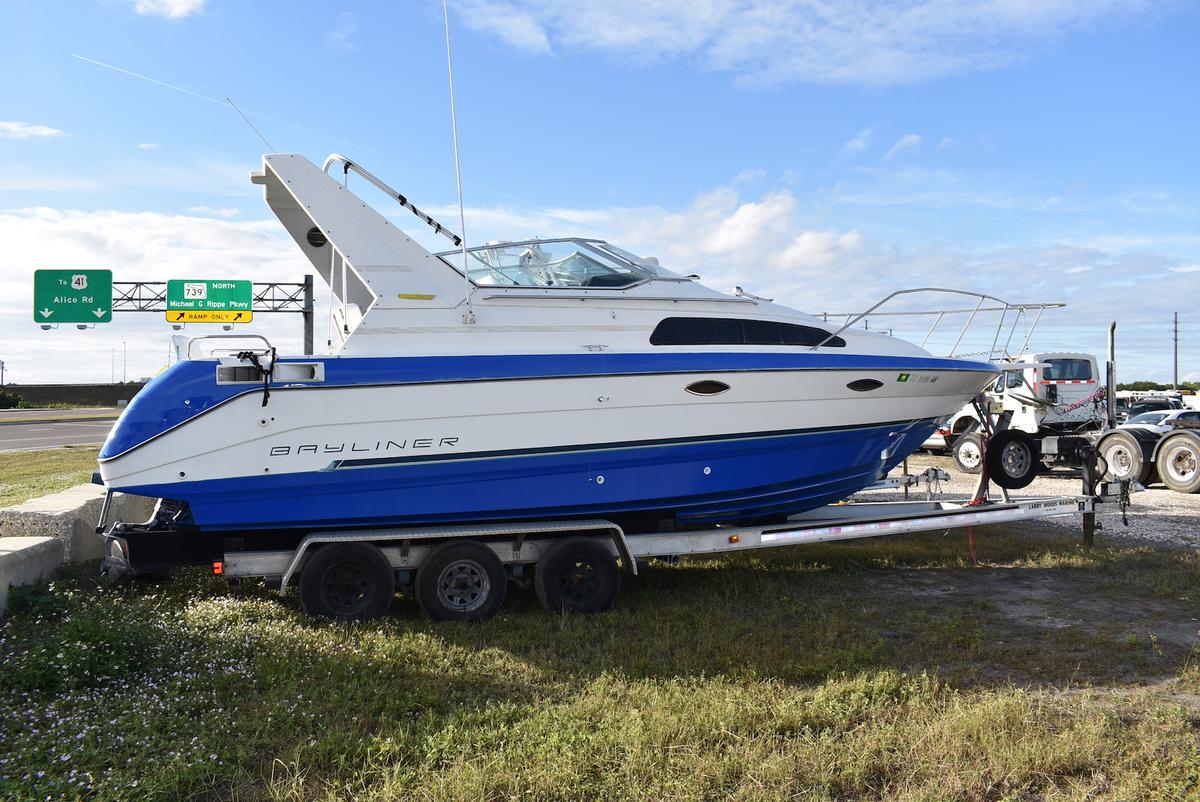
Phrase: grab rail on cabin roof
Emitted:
{"points": [[1004, 308], [348, 165]]}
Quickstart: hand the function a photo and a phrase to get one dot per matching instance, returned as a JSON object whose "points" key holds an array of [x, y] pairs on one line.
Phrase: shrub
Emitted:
{"points": [[10, 400]]}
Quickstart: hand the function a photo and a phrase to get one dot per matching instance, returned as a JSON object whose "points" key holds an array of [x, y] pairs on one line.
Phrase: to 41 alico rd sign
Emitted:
{"points": [[209, 301], [72, 296]]}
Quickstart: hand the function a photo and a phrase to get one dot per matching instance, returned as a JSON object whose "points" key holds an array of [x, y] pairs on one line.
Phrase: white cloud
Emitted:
{"points": [[19, 130], [858, 143], [946, 142], [875, 42], [174, 9], [750, 176], [1185, 269], [339, 37], [147, 146], [519, 29], [216, 211], [906, 142]]}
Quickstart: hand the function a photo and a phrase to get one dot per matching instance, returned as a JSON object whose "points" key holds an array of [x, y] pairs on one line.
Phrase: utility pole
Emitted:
{"points": [[124, 361], [1175, 377], [1, 372]]}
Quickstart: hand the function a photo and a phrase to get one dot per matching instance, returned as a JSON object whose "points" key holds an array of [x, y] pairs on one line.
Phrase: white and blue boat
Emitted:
{"points": [[558, 379]]}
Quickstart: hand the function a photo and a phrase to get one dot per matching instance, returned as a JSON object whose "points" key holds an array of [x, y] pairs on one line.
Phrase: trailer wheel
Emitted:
{"points": [[1123, 454], [579, 575], [347, 581], [1012, 459], [968, 452], [1179, 462], [461, 581]]}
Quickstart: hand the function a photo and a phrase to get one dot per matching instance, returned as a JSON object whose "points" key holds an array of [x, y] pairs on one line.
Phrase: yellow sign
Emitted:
{"points": [[208, 316]]}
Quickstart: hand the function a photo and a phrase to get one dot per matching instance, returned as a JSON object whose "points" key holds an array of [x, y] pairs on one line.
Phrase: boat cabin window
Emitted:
{"points": [[570, 263], [735, 331], [1068, 370]]}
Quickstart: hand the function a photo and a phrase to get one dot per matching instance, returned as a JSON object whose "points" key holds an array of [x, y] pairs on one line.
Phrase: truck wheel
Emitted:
{"points": [[968, 452], [1179, 462], [461, 581], [578, 575], [1012, 459], [1123, 455], [347, 581]]}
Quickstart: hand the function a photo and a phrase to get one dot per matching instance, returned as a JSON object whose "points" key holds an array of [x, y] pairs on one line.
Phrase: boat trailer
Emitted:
{"points": [[462, 572]]}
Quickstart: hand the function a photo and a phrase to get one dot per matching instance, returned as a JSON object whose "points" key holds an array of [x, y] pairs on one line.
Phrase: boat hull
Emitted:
{"points": [[642, 448], [739, 478]]}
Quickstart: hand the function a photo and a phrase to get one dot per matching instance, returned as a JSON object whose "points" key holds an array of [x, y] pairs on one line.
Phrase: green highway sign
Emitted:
{"points": [[72, 296], [209, 301]]}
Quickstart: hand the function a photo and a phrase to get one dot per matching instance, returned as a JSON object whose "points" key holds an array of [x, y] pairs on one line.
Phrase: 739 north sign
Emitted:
{"points": [[209, 301], [72, 296]]}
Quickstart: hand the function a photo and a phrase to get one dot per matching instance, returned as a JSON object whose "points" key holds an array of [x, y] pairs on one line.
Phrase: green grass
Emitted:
{"points": [[891, 669], [28, 474]]}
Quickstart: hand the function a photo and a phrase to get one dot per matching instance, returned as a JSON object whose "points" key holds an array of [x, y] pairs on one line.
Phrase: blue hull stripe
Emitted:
{"points": [[373, 462], [745, 478], [160, 406]]}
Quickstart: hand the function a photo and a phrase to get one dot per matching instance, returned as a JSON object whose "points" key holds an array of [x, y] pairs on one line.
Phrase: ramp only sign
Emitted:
{"points": [[72, 296], [209, 301]]}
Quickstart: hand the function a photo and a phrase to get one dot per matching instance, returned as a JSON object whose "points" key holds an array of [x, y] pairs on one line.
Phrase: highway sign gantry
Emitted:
{"points": [[209, 301], [72, 296]]}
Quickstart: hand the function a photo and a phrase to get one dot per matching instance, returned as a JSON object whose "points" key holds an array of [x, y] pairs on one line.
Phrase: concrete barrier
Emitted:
{"points": [[57, 529], [71, 517], [27, 560]]}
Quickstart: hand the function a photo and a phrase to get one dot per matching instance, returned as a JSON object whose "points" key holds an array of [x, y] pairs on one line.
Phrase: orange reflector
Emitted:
{"points": [[735, 538], [218, 568]]}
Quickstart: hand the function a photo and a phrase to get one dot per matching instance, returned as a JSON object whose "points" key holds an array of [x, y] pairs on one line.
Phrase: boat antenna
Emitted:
{"points": [[469, 315], [270, 147]]}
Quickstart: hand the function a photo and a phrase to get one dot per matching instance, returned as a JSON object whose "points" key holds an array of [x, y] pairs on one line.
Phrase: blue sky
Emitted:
{"points": [[822, 154]]}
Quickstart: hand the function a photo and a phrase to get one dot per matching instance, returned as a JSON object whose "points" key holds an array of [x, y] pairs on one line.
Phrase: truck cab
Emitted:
{"points": [[1051, 393], [1052, 396]]}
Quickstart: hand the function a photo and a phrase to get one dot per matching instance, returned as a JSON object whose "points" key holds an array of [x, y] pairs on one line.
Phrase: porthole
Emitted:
{"points": [[707, 387], [864, 385]]}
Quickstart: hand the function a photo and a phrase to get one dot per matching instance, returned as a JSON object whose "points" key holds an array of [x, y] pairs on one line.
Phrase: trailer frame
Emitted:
{"points": [[520, 547]]}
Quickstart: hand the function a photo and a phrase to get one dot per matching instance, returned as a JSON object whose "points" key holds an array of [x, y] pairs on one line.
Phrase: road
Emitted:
{"points": [[50, 434], [78, 413]]}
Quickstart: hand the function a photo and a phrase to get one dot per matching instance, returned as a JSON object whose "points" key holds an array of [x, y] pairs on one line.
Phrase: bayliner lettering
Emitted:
{"points": [[378, 446]]}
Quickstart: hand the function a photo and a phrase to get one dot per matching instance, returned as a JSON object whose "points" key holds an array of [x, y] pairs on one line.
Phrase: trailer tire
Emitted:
{"points": [[461, 581], [578, 575], [1013, 458], [1178, 462], [968, 452], [347, 581], [1123, 454]]}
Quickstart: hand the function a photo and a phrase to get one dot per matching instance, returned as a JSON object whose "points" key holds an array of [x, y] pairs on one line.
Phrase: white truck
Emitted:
{"points": [[1046, 409], [1056, 398]]}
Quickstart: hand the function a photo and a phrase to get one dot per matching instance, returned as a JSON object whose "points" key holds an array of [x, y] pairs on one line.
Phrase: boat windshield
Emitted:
{"points": [[558, 263]]}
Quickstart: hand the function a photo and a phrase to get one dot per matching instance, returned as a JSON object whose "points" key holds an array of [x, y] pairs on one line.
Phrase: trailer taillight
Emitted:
{"points": [[218, 568]]}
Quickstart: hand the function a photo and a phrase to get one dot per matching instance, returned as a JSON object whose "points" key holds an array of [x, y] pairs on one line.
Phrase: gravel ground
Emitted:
{"points": [[1156, 515]]}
